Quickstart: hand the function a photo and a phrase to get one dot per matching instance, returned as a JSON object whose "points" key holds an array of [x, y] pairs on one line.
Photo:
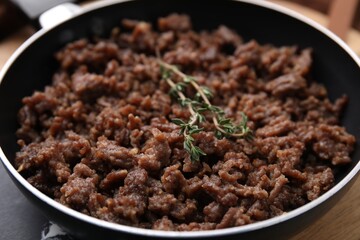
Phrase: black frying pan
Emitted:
{"points": [[32, 66]]}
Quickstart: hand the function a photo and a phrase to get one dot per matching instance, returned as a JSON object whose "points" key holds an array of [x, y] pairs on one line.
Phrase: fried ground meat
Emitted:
{"points": [[100, 139]]}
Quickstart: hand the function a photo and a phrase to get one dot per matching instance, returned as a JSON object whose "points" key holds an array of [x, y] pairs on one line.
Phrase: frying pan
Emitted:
{"points": [[32, 65]]}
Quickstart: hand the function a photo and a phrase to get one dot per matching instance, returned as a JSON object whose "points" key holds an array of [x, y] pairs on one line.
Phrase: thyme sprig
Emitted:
{"points": [[225, 127]]}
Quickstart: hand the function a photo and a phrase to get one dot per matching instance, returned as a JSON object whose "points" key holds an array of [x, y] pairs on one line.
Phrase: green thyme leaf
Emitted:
{"points": [[224, 127]]}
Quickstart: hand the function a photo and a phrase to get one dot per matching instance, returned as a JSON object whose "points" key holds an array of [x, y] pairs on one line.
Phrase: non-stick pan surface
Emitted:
{"points": [[33, 65]]}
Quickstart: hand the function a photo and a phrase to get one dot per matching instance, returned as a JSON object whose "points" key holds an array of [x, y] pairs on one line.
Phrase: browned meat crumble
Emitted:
{"points": [[100, 139]]}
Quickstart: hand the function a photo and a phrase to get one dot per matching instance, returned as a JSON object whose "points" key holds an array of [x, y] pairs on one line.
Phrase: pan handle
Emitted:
{"points": [[16, 13], [58, 14], [45, 13]]}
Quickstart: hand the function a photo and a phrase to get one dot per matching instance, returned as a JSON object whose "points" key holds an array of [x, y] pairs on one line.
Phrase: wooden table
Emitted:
{"points": [[343, 220]]}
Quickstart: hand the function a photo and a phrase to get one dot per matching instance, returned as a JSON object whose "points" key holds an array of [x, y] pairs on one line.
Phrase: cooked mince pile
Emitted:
{"points": [[100, 139]]}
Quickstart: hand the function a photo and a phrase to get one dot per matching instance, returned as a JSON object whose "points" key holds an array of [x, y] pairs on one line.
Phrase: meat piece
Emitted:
{"points": [[113, 178], [174, 22], [277, 61], [82, 52], [228, 36], [131, 200], [89, 86], [113, 154], [235, 167], [74, 147], [172, 179], [194, 226], [163, 224], [184, 211], [234, 217], [277, 127], [214, 212], [162, 203], [82, 183], [302, 63], [55, 155], [142, 37], [219, 191], [318, 182], [156, 152], [40, 102], [258, 210], [286, 85], [333, 143]]}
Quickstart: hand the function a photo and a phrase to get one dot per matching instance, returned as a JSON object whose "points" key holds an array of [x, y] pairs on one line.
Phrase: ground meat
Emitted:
{"points": [[214, 212], [175, 22], [286, 84], [234, 217], [100, 138], [81, 183], [163, 223], [333, 143]]}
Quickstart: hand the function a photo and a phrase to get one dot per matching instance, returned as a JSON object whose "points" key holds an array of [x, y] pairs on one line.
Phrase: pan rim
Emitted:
{"points": [[174, 234]]}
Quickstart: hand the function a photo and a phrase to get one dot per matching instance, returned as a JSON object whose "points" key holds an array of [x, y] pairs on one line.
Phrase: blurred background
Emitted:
{"points": [[340, 16], [323, 6], [11, 18], [343, 14]]}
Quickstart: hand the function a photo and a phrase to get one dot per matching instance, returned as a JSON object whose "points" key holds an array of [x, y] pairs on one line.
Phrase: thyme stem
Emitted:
{"points": [[224, 126], [180, 94]]}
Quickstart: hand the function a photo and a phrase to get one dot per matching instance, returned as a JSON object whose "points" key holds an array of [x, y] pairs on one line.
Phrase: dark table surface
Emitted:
{"points": [[19, 220]]}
